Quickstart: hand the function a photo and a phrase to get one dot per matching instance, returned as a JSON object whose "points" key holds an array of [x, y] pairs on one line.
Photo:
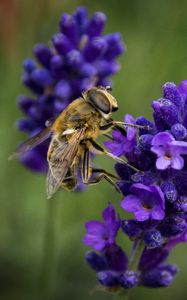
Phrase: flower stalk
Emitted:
{"points": [[122, 295], [48, 254], [136, 253]]}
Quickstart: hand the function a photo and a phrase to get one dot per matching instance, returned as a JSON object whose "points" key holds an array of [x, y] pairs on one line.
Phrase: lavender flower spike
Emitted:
{"points": [[168, 151], [157, 196], [79, 57]]}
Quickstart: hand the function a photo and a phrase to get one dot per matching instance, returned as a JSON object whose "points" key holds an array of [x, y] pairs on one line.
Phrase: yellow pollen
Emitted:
{"points": [[167, 157]]}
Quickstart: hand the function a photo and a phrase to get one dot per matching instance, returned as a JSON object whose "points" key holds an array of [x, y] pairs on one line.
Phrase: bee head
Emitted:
{"points": [[100, 98]]}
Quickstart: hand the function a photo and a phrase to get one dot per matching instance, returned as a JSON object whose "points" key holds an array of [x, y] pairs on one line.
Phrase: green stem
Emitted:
{"points": [[47, 266], [122, 295], [133, 265]]}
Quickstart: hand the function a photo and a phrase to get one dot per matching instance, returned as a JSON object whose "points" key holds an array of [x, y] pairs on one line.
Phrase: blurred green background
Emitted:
{"points": [[155, 33]]}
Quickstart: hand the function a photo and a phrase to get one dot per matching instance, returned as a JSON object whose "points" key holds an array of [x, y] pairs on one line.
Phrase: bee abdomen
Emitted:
{"points": [[70, 182]]}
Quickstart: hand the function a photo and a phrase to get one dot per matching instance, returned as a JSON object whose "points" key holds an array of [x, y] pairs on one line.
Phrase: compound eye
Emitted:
{"points": [[100, 101]]}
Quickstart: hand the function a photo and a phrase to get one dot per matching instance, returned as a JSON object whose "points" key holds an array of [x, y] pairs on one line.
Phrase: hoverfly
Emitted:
{"points": [[74, 134]]}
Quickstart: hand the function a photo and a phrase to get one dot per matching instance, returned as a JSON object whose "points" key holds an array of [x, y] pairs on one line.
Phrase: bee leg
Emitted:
{"points": [[113, 125], [97, 170], [102, 174], [100, 149], [86, 169], [108, 136], [120, 129], [116, 123], [107, 126]]}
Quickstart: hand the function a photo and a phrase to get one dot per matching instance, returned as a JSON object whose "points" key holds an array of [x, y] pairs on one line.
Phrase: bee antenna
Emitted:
{"points": [[108, 88]]}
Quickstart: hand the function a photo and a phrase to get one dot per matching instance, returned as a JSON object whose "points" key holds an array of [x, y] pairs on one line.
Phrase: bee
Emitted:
{"points": [[74, 134]]}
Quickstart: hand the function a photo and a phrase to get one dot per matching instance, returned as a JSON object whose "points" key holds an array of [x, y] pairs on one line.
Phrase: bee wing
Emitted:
{"points": [[60, 160], [31, 143]]}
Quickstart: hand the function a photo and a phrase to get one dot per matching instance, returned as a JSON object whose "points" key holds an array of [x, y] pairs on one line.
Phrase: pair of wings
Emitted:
{"points": [[61, 158], [62, 153]]}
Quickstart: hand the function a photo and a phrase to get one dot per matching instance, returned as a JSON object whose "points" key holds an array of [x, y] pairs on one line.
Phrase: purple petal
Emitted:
{"points": [[129, 119], [143, 191], [117, 135], [98, 245], [162, 163], [142, 215], [178, 147], [94, 227], [177, 163], [131, 203], [114, 147], [162, 138], [157, 214], [157, 191], [109, 214], [131, 131], [128, 145], [159, 150]]}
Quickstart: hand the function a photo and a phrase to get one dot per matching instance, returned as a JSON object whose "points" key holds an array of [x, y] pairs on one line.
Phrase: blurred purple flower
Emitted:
{"points": [[79, 57]]}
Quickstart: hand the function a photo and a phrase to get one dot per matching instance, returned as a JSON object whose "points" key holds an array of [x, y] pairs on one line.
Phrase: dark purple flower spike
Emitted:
{"points": [[157, 197], [79, 57]]}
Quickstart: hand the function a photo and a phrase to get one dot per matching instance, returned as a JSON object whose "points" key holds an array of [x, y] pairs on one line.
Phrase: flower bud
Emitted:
{"points": [[153, 239], [96, 261], [179, 131], [108, 278], [43, 54], [96, 24], [170, 191], [129, 279], [170, 91], [159, 277], [145, 141], [172, 226], [29, 65], [131, 228]]}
